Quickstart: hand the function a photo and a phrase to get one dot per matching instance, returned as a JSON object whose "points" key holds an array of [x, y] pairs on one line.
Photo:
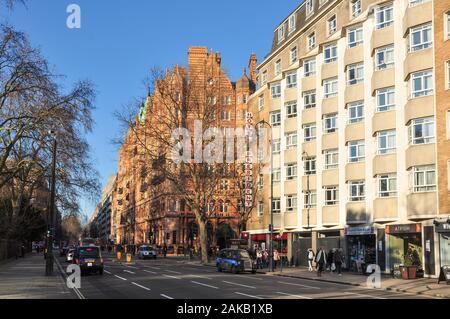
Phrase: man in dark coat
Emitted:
{"points": [[321, 259]]}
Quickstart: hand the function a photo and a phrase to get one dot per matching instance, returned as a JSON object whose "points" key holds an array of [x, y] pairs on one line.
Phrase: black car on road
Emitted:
{"points": [[89, 258]]}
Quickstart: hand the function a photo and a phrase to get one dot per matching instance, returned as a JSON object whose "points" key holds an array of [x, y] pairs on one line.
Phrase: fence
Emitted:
{"points": [[8, 249]]}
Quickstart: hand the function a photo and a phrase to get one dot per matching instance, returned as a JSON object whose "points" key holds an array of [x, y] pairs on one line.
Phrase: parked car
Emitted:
{"points": [[235, 261], [63, 251], [69, 255], [170, 250], [89, 258], [146, 252]]}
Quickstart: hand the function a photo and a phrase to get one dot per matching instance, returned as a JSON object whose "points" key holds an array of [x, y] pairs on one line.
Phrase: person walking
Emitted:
{"points": [[338, 259], [321, 258], [259, 256], [265, 258], [165, 250], [329, 260], [311, 256], [276, 258]]}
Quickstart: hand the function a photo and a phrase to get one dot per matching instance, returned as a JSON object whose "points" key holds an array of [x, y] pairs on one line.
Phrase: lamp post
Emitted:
{"points": [[308, 192], [51, 215], [271, 195]]}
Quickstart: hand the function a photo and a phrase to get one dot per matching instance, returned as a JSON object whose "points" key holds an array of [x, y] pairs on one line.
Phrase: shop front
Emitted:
{"points": [[405, 247], [301, 242], [443, 231], [258, 241], [361, 248]]}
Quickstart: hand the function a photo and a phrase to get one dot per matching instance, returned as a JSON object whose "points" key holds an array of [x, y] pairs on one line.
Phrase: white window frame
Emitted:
{"points": [[359, 146], [358, 106], [261, 102], [275, 118], [311, 43], [281, 33], [331, 159], [312, 132], [291, 172], [447, 75], [309, 7], [225, 115], [333, 199], [388, 181], [308, 97], [310, 165], [426, 124], [382, 11], [291, 203], [294, 55], [330, 87], [276, 205], [260, 209], [291, 140], [413, 3], [357, 33], [381, 57], [330, 124], [388, 93], [356, 191], [278, 67], [275, 90], [447, 25], [292, 23], [390, 138], [276, 175], [421, 31], [264, 77], [421, 77], [355, 73], [331, 51], [355, 8], [291, 80], [310, 199], [309, 67], [428, 174], [291, 109], [260, 181], [332, 25]]}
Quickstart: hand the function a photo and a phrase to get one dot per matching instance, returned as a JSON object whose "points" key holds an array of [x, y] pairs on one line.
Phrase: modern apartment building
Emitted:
{"points": [[357, 93]]}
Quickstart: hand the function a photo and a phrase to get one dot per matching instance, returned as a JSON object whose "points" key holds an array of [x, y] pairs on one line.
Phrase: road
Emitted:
{"points": [[173, 278]]}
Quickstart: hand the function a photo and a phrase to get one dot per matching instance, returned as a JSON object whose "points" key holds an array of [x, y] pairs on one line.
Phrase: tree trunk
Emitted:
{"points": [[203, 240]]}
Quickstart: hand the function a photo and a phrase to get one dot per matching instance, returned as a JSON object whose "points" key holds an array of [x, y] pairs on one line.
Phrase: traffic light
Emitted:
{"points": [[49, 232]]}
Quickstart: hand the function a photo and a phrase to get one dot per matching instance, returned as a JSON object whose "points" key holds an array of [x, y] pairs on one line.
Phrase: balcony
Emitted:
{"points": [[310, 148], [309, 116], [418, 61], [330, 105], [383, 79], [382, 37], [312, 217], [290, 219], [330, 141], [419, 107], [422, 205], [384, 164], [330, 177], [329, 70], [356, 213], [385, 209], [290, 187], [312, 182], [330, 215], [290, 125], [290, 94], [382, 121], [290, 156], [355, 171], [354, 55], [354, 93], [309, 83], [417, 155], [416, 15], [354, 132]]}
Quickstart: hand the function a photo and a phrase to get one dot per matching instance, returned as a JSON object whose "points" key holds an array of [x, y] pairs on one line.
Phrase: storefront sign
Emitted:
{"points": [[248, 166], [443, 228], [364, 230], [404, 229], [428, 246]]}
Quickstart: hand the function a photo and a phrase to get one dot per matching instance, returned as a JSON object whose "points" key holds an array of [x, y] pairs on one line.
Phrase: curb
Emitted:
{"points": [[361, 285], [64, 278]]}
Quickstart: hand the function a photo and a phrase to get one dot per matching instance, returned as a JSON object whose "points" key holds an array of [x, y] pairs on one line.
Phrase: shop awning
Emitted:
{"points": [[279, 237], [259, 237]]}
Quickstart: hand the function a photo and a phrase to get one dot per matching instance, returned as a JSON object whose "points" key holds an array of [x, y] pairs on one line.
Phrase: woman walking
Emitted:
{"points": [[311, 256]]}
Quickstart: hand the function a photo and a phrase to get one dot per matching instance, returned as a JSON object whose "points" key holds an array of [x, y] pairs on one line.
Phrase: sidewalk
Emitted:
{"points": [[423, 286], [25, 278]]}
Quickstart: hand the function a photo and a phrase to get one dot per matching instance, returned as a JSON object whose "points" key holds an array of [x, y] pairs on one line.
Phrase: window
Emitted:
{"points": [[261, 103], [447, 22], [309, 67], [332, 25], [384, 57], [291, 80], [384, 16], [245, 99], [356, 112], [291, 109], [421, 38], [421, 131], [224, 185], [447, 73], [387, 185], [292, 23], [225, 115], [310, 166], [261, 181], [322, 2], [331, 159], [416, 2], [330, 87], [276, 146], [354, 37], [276, 175], [260, 209], [226, 100], [356, 151], [448, 124], [275, 91], [291, 203], [309, 132], [385, 99], [330, 123], [355, 7], [309, 99], [212, 100], [291, 172], [276, 205], [424, 178], [309, 7], [386, 142], [264, 78], [310, 199], [331, 195], [311, 41], [291, 140], [294, 55], [356, 191], [330, 53], [422, 84], [277, 67], [281, 34], [275, 118], [355, 73]]}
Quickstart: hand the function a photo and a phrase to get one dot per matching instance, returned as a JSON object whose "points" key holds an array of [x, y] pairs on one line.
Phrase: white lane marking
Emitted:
{"points": [[124, 279], [201, 277], [292, 295], [205, 285], [132, 267], [363, 295], [172, 277], [107, 272], [150, 272], [174, 272], [250, 277], [156, 268], [298, 285], [130, 272], [165, 296], [241, 285], [240, 293], [148, 289]]}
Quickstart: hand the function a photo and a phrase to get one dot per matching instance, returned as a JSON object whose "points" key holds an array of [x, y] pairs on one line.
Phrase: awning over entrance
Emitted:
{"points": [[259, 237]]}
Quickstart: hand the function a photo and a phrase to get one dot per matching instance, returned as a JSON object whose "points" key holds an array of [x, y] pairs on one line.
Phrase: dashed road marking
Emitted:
{"points": [[130, 272], [241, 285], [150, 272], [165, 296], [205, 285], [140, 286], [124, 279], [172, 277], [251, 296], [292, 295], [298, 285]]}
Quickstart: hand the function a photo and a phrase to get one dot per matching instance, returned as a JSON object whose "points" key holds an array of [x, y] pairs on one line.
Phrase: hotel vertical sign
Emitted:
{"points": [[249, 164]]}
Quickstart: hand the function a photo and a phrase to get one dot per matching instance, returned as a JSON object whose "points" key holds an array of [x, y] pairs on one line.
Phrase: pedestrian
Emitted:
{"points": [[165, 250], [321, 258], [276, 258], [259, 257], [338, 259], [311, 256], [329, 260], [265, 258]]}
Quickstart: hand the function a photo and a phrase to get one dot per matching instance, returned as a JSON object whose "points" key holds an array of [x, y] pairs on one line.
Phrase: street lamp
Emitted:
{"points": [[308, 191], [51, 215], [271, 194]]}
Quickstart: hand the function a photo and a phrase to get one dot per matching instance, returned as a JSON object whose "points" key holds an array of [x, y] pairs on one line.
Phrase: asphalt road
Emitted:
{"points": [[173, 278]]}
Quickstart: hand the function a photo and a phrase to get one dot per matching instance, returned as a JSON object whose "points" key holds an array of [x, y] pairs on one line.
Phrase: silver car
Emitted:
{"points": [[147, 252]]}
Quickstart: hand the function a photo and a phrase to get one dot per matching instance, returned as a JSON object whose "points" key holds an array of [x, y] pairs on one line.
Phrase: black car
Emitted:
{"points": [[89, 258]]}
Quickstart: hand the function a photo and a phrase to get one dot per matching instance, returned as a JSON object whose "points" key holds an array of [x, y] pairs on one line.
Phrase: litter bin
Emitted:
{"points": [[119, 256], [129, 258]]}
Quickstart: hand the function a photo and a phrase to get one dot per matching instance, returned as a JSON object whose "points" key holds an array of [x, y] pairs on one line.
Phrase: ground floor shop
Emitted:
{"points": [[443, 238], [361, 249]]}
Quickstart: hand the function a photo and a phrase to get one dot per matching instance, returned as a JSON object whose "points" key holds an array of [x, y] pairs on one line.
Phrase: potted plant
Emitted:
{"points": [[411, 265]]}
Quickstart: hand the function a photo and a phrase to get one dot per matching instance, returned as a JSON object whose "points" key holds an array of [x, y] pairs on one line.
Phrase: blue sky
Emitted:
{"points": [[119, 41]]}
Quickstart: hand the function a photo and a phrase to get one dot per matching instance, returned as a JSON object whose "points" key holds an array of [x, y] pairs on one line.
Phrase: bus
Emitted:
{"points": [[90, 242]]}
